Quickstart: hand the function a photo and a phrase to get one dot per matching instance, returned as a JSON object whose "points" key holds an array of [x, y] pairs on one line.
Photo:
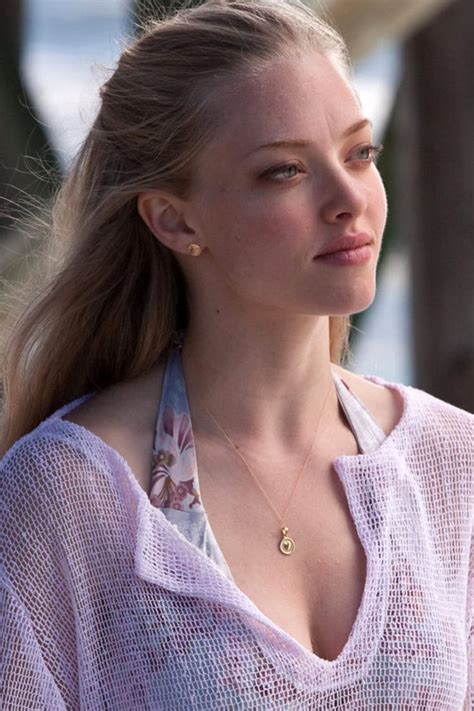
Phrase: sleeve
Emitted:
{"points": [[469, 702], [26, 682], [38, 662]]}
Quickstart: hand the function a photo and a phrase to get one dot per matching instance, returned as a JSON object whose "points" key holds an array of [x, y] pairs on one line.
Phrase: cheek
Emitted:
{"points": [[253, 227], [256, 246]]}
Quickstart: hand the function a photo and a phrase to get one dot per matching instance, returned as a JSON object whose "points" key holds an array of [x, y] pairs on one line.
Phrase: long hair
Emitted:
{"points": [[114, 296]]}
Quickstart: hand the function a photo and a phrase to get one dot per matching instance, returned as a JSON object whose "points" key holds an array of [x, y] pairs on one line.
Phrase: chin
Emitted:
{"points": [[355, 302]]}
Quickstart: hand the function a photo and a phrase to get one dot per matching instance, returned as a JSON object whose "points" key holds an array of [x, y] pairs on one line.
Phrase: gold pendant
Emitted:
{"points": [[287, 544]]}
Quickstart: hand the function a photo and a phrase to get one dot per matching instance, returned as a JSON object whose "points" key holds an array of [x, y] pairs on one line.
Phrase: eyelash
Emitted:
{"points": [[375, 151]]}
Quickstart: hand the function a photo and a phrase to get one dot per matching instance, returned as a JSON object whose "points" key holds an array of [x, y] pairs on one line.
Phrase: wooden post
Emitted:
{"points": [[436, 200]]}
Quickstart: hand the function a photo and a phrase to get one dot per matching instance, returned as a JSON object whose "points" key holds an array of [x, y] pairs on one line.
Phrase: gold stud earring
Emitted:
{"points": [[194, 249]]}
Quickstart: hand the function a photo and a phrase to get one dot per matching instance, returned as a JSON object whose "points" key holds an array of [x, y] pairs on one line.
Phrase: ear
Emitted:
{"points": [[164, 216]]}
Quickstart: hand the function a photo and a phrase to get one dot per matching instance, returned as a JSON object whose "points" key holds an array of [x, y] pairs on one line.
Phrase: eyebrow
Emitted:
{"points": [[299, 143]]}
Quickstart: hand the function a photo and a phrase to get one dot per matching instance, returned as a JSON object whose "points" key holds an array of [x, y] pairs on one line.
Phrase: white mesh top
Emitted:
{"points": [[106, 604]]}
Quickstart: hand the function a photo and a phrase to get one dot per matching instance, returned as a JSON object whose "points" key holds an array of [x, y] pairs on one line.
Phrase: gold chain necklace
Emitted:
{"points": [[287, 544]]}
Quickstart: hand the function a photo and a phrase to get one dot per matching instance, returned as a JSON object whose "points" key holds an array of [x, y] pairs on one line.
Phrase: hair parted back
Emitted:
{"points": [[117, 295]]}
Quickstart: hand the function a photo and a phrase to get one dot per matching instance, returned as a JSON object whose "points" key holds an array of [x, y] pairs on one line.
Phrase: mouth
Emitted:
{"points": [[346, 243], [348, 250]]}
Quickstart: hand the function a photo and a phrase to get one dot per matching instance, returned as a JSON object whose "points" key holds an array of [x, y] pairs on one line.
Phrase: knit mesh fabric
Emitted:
{"points": [[105, 605]]}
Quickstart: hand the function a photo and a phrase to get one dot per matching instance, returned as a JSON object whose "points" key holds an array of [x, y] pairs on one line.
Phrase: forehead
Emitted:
{"points": [[306, 97]]}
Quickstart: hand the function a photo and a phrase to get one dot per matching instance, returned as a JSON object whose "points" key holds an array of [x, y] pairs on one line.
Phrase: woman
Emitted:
{"points": [[203, 508]]}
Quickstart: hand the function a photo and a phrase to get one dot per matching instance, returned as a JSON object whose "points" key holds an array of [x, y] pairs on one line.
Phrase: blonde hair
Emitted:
{"points": [[109, 310]]}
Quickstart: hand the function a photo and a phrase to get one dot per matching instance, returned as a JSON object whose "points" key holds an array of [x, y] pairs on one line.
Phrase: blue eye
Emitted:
{"points": [[287, 172], [372, 153]]}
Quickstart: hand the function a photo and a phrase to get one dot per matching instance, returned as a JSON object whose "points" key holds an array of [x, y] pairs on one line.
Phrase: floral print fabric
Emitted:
{"points": [[174, 473]]}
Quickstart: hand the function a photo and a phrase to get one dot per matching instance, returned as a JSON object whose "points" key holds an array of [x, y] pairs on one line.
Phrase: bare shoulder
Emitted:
{"points": [[124, 416], [384, 404]]}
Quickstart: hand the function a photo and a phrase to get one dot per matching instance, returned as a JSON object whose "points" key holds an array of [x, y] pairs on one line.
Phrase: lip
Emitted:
{"points": [[346, 243], [348, 257]]}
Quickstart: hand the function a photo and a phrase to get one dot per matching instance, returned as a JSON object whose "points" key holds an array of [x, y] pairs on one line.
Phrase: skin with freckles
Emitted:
{"points": [[264, 214]]}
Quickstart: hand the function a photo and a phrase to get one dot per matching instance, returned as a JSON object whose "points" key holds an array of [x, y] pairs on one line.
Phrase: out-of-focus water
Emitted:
{"points": [[71, 48]]}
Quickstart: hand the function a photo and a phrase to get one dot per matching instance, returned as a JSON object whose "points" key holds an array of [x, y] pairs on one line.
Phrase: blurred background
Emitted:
{"points": [[414, 73]]}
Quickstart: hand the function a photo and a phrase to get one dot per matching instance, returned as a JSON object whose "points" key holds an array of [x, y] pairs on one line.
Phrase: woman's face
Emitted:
{"points": [[264, 212]]}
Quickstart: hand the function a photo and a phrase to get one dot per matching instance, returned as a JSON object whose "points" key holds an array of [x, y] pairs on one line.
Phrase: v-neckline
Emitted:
{"points": [[163, 556], [174, 389]]}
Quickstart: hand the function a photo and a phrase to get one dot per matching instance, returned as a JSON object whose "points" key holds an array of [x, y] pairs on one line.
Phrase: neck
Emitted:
{"points": [[264, 382]]}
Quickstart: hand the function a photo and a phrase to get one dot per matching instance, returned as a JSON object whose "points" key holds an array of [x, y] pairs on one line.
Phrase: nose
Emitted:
{"points": [[344, 196]]}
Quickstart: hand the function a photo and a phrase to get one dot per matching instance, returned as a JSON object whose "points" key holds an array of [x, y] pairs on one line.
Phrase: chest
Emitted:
{"points": [[313, 594]]}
